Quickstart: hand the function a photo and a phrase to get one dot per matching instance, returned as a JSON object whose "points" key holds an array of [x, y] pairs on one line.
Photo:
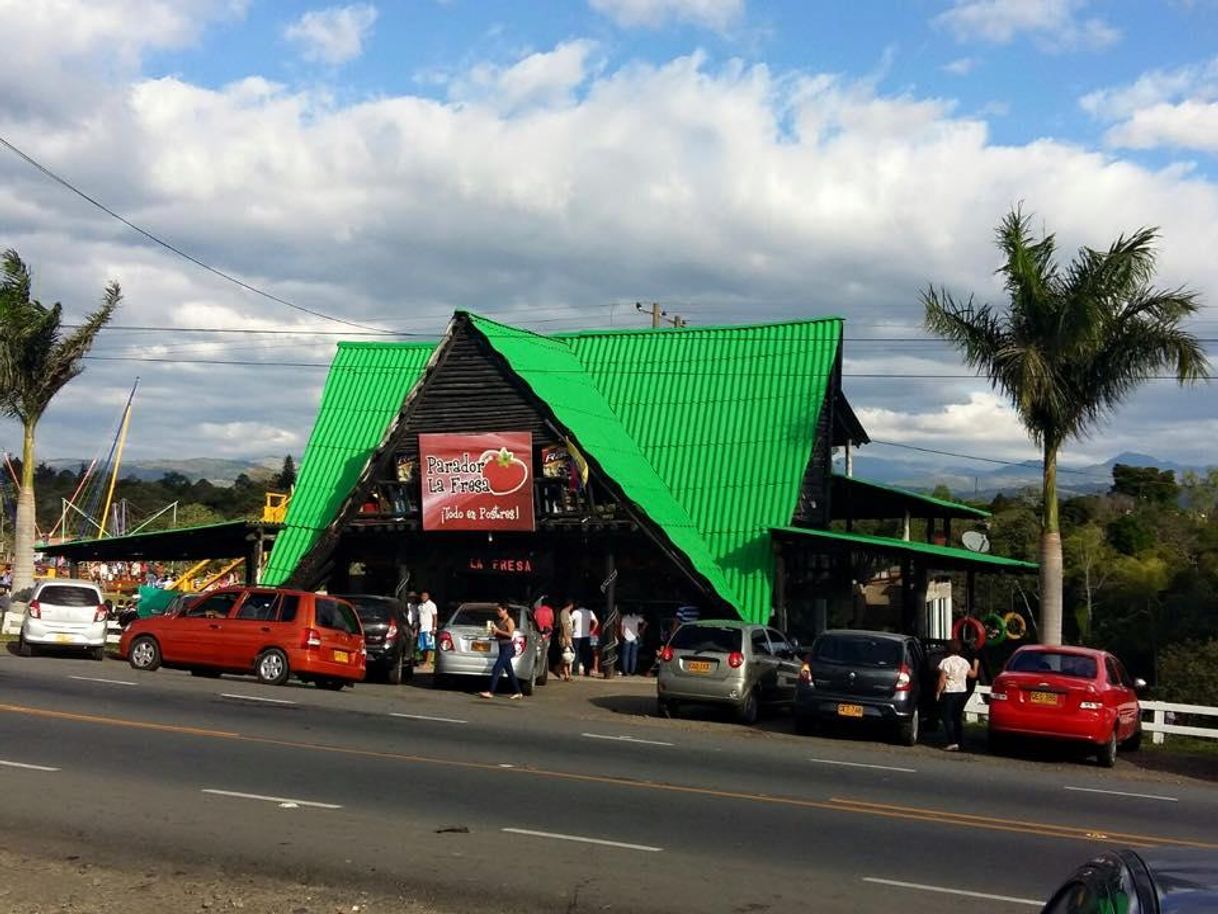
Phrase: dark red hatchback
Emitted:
{"points": [[272, 633]]}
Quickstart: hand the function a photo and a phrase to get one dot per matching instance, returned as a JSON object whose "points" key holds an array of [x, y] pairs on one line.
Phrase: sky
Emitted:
{"points": [[377, 166]]}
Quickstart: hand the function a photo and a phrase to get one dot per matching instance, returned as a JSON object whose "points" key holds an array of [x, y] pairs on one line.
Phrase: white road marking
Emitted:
{"points": [[28, 767], [286, 802], [443, 720], [626, 739], [946, 891], [1122, 793], [600, 841], [98, 679], [272, 701], [829, 761]]}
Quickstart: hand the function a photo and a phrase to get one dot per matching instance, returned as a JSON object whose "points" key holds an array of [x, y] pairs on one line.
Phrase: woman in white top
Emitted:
{"points": [[954, 673]]}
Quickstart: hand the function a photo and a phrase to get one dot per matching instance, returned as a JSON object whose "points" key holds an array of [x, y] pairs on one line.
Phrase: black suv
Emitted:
{"points": [[388, 637], [876, 677]]}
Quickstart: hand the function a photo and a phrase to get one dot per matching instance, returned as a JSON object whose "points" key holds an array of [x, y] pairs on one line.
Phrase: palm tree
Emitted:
{"points": [[1071, 344], [36, 361]]}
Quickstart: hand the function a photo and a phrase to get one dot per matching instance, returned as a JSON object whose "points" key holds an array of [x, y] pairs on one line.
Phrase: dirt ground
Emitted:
{"points": [[70, 884]]}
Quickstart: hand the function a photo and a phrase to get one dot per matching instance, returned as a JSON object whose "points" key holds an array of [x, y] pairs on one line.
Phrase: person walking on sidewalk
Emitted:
{"points": [[427, 613], [566, 640], [583, 622], [954, 673], [632, 627], [502, 631]]}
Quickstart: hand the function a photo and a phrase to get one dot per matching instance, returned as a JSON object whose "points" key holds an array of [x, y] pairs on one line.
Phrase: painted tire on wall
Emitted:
{"points": [[1015, 625], [972, 625], [995, 628]]}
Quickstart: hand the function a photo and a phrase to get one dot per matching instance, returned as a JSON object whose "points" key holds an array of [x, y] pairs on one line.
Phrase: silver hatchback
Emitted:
{"points": [[727, 662], [464, 646]]}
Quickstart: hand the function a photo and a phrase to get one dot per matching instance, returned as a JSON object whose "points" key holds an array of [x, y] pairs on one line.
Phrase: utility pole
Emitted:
{"points": [[659, 315]]}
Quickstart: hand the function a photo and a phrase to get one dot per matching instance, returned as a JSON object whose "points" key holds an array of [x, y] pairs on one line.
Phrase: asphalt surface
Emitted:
{"points": [[555, 803]]}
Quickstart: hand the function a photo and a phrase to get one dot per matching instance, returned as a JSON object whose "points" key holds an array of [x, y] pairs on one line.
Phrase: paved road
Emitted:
{"points": [[551, 804]]}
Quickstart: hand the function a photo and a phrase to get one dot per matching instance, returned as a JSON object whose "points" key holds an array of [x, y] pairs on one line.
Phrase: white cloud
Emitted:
{"points": [[1053, 24], [334, 35], [984, 423], [543, 78], [712, 14], [1175, 108], [236, 438], [962, 66]]}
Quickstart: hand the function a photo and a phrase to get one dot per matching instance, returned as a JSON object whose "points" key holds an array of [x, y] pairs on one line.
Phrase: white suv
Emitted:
{"points": [[65, 613]]}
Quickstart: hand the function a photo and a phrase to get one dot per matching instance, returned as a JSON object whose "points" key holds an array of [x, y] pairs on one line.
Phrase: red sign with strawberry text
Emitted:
{"points": [[477, 482]]}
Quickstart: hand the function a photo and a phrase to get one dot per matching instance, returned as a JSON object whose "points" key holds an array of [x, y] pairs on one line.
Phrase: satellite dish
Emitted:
{"points": [[975, 540]]}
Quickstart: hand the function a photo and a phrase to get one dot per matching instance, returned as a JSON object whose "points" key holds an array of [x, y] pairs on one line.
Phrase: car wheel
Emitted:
{"points": [[999, 743], [272, 667], [747, 712], [98, 653], [408, 671], [805, 724], [527, 686], [393, 675], [1134, 743], [908, 730], [545, 670], [24, 648], [1107, 753], [145, 653]]}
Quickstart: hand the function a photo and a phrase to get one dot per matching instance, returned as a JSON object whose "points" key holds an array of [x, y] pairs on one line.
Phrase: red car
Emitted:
{"points": [[1069, 693], [272, 633]]}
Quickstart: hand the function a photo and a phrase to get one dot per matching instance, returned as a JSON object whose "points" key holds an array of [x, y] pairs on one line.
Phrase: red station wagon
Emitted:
{"points": [[1071, 693], [269, 632]]}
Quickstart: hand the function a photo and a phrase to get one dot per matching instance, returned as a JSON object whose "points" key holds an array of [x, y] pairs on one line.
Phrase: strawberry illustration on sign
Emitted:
{"points": [[503, 471]]}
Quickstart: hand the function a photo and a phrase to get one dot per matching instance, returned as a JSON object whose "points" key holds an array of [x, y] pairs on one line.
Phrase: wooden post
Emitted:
{"points": [[608, 636]]}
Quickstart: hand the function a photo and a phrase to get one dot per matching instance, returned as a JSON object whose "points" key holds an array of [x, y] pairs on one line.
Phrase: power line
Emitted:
{"points": [[169, 247], [1009, 463]]}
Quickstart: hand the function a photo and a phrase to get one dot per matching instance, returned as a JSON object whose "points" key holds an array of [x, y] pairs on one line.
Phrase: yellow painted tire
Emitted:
{"points": [[1016, 625]]}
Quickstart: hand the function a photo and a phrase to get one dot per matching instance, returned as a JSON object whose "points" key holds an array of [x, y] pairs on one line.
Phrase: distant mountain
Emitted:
{"points": [[984, 481], [216, 470]]}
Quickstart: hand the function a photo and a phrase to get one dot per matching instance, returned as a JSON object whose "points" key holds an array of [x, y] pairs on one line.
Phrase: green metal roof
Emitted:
{"points": [[364, 391], [707, 430], [885, 501], [946, 557]]}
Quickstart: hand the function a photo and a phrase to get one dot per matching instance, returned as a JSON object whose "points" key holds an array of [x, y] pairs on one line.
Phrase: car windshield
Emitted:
{"points": [[707, 638], [1076, 666], [371, 611], [68, 595], [476, 615], [857, 650]]}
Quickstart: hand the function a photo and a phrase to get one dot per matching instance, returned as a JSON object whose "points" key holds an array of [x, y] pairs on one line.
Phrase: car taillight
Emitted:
{"points": [[311, 637], [998, 696], [392, 633], [445, 641], [805, 674], [735, 659], [34, 610], [1091, 705], [904, 680], [101, 614], [520, 643], [666, 654]]}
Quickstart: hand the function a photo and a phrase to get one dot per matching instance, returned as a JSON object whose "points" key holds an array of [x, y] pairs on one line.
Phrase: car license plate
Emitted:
{"points": [[342, 657], [698, 666], [64, 639], [850, 710], [482, 647], [1042, 698]]}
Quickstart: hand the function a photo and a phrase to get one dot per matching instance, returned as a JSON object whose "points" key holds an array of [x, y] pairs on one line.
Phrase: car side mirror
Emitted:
{"points": [[1140, 685]]}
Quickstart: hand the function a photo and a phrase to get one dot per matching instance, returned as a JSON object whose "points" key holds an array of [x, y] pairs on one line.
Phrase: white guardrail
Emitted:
{"points": [[1157, 717]]}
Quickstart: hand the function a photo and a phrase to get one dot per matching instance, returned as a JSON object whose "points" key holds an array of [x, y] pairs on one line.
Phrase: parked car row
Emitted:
{"points": [[890, 680]]}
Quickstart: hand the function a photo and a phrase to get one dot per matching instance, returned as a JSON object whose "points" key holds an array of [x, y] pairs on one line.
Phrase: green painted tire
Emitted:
{"points": [[995, 628]]}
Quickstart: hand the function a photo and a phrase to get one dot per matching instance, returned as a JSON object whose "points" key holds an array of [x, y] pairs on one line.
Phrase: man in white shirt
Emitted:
{"points": [[427, 613], [632, 628], [583, 620], [954, 674]]}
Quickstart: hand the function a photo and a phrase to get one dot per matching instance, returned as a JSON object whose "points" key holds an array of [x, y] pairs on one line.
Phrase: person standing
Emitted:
{"points": [[632, 627], [502, 630], [954, 673], [566, 640], [427, 613], [582, 621]]}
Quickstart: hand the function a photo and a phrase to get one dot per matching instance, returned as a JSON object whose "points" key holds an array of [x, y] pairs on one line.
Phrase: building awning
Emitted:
{"points": [[861, 499], [945, 558], [226, 540]]}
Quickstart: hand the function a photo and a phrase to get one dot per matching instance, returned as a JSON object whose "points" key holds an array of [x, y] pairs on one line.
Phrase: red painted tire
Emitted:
{"points": [[974, 625]]}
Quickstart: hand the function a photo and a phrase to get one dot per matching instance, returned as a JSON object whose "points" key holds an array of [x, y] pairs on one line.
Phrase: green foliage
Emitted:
{"points": [[287, 476], [1145, 484], [1130, 534], [1188, 673]]}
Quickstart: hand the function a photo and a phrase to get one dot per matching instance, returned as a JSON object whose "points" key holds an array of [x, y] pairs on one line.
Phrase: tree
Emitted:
{"points": [[1145, 484], [36, 361], [1071, 344], [287, 476]]}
